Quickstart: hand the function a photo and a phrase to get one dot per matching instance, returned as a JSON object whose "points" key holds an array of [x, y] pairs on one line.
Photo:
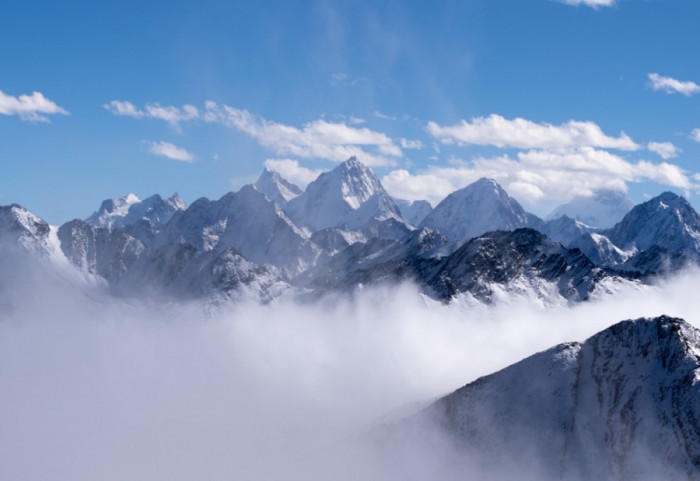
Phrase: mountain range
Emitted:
{"points": [[344, 230]]}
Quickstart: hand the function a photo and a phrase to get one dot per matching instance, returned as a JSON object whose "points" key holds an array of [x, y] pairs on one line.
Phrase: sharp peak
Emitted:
{"points": [[352, 162]]}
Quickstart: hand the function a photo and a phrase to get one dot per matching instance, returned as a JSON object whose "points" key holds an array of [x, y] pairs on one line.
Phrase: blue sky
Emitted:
{"points": [[551, 98]]}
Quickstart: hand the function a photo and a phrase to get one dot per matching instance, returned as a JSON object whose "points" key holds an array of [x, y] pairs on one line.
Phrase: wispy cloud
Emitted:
{"points": [[170, 114], [538, 174], [665, 149], [695, 135], [317, 139], [525, 134], [589, 3], [32, 107], [292, 171], [384, 116], [343, 79], [672, 86], [410, 144], [171, 151]]}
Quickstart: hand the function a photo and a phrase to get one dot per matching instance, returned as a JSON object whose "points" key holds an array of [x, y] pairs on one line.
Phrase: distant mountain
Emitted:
{"points": [[350, 195], [667, 220], [413, 211], [476, 209], [276, 188], [117, 213], [349, 233], [249, 222], [603, 209], [19, 225], [624, 404]]}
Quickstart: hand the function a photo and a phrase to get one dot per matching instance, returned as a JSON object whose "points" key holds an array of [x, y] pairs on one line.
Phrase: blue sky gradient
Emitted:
{"points": [[310, 81]]}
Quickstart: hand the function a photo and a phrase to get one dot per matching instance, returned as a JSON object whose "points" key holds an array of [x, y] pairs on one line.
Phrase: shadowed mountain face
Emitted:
{"points": [[624, 404]]}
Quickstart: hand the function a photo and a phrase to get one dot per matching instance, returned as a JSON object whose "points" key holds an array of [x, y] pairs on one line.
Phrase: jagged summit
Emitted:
{"points": [[667, 220], [624, 404], [603, 209], [476, 209], [337, 198], [128, 210], [275, 187]]}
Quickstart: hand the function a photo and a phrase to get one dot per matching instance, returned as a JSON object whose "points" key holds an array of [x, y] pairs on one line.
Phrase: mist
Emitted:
{"points": [[95, 387]]}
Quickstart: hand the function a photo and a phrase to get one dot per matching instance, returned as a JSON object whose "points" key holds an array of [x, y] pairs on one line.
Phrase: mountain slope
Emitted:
{"points": [[349, 195], [476, 209], [276, 188], [603, 209], [117, 213], [667, 220], [624, 404]]}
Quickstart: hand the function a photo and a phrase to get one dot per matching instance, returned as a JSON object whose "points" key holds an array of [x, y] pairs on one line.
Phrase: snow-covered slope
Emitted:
{"points": [[415, 211], [19, 225], [603, 209], [276, 188], [667, 220], [249, 222], [623, 405], [523, 262], [476, 209], [349, 195], [128, 210]]}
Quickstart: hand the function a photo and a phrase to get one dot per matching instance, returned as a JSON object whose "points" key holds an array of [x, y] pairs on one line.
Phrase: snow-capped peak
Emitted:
{"points": [[275, 187], [341, 197], [604, 208], [667, 220], [476, 209], [117, 213]]}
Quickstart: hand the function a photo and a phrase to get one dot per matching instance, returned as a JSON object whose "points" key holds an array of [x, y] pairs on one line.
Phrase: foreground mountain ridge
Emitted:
{"points": [[345, 231], [624, 404]]}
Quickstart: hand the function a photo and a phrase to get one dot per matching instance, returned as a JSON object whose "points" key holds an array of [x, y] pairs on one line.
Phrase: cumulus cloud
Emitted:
{"points": [[695, 135], [665, 149], [317, 139], [589, 3], [524, 134], [537, 174], [170, 114], [672, 86], [292, 171], [171, 151], [32, 107]]}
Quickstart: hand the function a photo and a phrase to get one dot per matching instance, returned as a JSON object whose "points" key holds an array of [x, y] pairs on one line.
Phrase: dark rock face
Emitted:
{"points": [[624, 404]]}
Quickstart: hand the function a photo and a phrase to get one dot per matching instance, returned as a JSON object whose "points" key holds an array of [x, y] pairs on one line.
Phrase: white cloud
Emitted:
{"points": [[380, 115], [525, 134], [356, 120], [170, 114], [665, 149], [344, 80], [317, 139], [538, 174], [672, 86], [29, 107], [127, 109], [292, 171], [411, 144], [695, 135], [171, 151], [590, 3]]}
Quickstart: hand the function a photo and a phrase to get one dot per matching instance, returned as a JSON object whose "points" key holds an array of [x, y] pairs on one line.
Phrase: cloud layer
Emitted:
{"points": [[524, 134], [32, 107], [537, 174]]}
